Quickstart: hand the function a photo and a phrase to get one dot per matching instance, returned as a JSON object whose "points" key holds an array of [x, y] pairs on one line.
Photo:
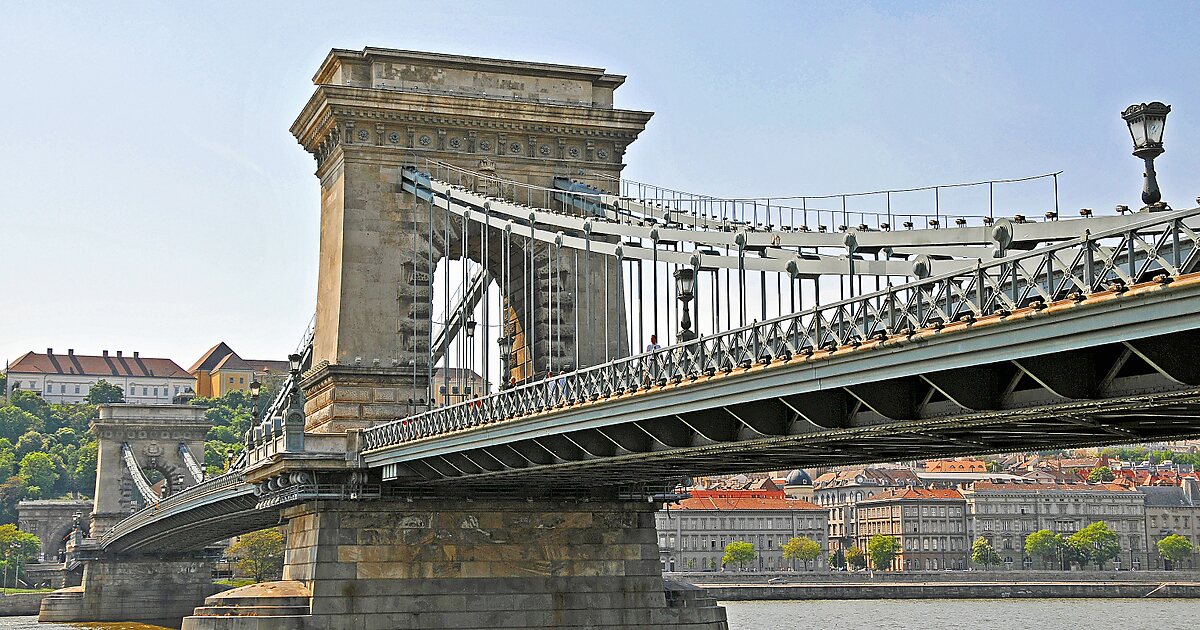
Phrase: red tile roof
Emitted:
{"points": [[916, 493], [744, 503], [92, 365]]}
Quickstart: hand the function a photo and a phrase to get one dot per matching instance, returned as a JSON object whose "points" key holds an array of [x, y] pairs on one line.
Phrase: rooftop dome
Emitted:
{"points": [[798, 478]]}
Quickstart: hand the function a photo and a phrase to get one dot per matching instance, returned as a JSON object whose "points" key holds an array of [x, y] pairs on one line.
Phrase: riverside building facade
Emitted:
{"points": [[1005, 513], [693, 533], [929, 524]]}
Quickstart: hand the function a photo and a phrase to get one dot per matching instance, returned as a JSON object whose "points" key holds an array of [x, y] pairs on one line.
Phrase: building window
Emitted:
{"points": [[241, 380], [77, 389], [62, 389], [156, 392], [442, 390], [231, 380]]}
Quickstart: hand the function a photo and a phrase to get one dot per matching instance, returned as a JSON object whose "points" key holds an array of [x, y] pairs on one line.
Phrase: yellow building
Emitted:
{"points": [[221, 371]]}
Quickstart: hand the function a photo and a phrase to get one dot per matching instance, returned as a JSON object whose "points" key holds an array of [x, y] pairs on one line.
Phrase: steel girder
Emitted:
{"points": [[1113, 369]]}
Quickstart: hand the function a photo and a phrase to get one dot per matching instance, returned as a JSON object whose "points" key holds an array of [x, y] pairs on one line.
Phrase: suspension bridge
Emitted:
{"points": [[621, 338]]}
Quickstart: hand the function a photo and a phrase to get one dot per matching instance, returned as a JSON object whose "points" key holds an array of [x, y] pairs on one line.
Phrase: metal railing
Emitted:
{"points": [[190, 462], [154, 510], [1160, 243], [784, 213]]}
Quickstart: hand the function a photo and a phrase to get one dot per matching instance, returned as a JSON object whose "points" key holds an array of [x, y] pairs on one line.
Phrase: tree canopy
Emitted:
{"points": [[259, 555], [856, 558], [1175, 548], [1044, 544], [982, 552], [1096, 543], [740, 553], [1101, 474], [104, 392], [882, 549], [18, 548], [801, 548]]}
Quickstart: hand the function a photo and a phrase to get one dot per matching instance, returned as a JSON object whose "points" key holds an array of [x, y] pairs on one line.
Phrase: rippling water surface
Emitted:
{"points": [[888, 614], [967, 614]]}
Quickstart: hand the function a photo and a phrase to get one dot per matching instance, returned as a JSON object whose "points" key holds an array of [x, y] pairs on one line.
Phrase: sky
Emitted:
{"points": [[152, 199]]}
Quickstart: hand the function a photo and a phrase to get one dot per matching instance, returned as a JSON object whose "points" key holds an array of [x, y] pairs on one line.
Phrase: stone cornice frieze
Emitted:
{"points": [[334, 108]]}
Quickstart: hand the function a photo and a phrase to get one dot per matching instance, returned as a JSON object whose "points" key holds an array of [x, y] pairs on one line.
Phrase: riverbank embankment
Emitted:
{"points": [[947, 585]]}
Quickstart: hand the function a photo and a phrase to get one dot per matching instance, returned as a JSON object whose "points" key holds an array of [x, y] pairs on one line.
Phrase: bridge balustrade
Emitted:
{"points": [[1161, 243]]}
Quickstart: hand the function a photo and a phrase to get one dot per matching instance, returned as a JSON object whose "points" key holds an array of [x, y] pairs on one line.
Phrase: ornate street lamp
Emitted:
{"points": [[1146, 122], [685, 285], [255, 390], [294, 361], [505, 343]]}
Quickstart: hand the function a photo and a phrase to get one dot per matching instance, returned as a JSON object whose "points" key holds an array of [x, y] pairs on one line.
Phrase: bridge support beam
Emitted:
{"points": [[470, 564], [145, 589]]}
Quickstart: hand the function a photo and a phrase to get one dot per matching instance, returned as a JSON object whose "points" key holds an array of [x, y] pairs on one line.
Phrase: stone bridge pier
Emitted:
{"points": [[456, 563], [164, 587]]}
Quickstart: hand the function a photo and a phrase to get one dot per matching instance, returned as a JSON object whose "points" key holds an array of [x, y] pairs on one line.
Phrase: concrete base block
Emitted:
{"points": [[455, 564]]}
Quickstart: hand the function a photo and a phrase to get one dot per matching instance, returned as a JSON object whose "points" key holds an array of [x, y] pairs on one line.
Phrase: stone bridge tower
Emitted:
{"points": [[374, 112], [160, 438]]}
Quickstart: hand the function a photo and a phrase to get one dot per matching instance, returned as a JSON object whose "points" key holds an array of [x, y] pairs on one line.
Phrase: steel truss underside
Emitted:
{"points": [[1117, 383]]}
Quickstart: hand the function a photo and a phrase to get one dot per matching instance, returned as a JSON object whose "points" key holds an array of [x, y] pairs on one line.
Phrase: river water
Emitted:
{"points": [[967, 614], [889, 614]]}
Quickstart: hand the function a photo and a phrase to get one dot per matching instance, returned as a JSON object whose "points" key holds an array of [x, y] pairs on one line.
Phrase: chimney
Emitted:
{"points": [[135, 354], [118, 354], [70, 352], [49, 350], [106, 354]]}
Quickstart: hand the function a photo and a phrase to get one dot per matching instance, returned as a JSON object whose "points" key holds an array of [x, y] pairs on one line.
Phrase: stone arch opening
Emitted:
{"points": [[540, 291]]}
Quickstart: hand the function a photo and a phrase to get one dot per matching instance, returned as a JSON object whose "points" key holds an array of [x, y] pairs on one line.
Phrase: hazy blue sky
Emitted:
{"points": [[154, 200]]}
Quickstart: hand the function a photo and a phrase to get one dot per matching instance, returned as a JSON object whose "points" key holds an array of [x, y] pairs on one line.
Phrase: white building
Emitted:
{"points": [[66, 378]]}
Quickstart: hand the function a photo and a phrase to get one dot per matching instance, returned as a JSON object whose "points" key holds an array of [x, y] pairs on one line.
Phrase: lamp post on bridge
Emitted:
{"points": [[505, 343], [1146, 122], [685, 285], [255, 390], [469, 376]]}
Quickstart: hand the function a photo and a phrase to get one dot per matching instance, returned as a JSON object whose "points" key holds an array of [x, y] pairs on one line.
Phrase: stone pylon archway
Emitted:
{"points": [[376, 112], [133, 438]]}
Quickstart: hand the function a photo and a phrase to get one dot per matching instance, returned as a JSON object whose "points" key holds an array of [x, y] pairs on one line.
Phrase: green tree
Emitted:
{"points": [[739, 552], [12, 491], [31, 402], [1101, 474], [1044, 544], [40, 473], [1174, 548], [801, 548], [3, 385], [15, 422], [16, 548], [32, 442], [259, 555], [856, 558], [1096, 543], [83, 474], [837, 559], [982, 552], [104, 392], [882, 550]]}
